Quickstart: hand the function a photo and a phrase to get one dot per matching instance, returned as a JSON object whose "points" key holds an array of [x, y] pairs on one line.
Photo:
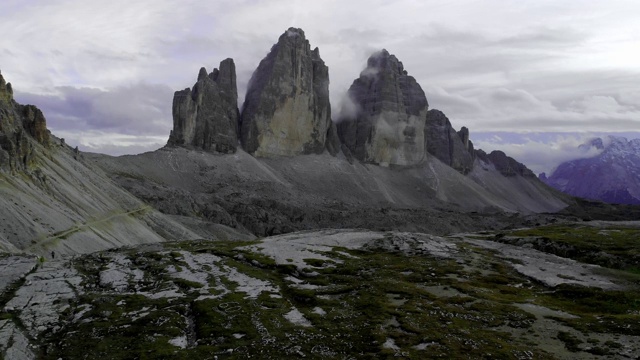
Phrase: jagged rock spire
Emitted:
{"points": [[287, 110], [6, 91], [451, 147], [206, 116]]}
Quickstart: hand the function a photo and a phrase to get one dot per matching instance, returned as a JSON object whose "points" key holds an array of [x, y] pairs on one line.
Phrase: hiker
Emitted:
{"points": [[53, 254]]}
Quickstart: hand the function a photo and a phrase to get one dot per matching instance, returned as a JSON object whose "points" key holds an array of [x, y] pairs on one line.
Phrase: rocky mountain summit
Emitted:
{"points": [[612, 176], [19, 124], [506, 165], [287, 110], [388, 125], [206, 116]]}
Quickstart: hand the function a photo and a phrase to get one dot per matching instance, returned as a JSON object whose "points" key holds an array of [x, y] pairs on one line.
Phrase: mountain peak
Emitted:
{"points": [[593, 143], [287, 110], [6, 91], [613, 175], [389, 127], [206, 116], [293, 32]]}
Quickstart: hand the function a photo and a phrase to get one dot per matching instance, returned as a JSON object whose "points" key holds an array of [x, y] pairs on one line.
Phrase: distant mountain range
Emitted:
{"points": [[612, 176]]}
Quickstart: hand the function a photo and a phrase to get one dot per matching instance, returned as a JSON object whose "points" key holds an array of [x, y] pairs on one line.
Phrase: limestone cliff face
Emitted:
{"points": [[388, 126], [451, 147], [287, 110], [20, 125], [206, 116]]}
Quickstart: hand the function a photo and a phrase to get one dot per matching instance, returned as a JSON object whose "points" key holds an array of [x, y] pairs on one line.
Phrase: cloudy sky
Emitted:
{"points": [[534, 78]]}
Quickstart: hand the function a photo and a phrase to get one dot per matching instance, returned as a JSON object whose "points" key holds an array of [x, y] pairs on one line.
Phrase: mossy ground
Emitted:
{"points": [[364, 304], [615, 247]]}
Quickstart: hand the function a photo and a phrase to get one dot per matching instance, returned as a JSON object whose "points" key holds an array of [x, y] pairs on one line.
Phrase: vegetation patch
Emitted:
{"points": [[613, 247]]}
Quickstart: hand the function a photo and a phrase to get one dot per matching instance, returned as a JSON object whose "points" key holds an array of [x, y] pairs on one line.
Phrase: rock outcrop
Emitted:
{"points": [[287, 110], [388, 126], [506, 165], [451, 147], [206, 116], [20, 125]]}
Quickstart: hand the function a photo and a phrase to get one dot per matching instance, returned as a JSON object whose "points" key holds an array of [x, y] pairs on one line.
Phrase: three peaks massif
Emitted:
{"points": [[287, 112], [280, 163]]}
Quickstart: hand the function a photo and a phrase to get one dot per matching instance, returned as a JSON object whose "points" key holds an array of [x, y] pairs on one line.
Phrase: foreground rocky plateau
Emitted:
{"points": [[328, 294]]}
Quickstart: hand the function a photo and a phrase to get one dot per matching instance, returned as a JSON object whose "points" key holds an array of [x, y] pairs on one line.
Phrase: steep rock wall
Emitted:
{"points": [[287, 110]]}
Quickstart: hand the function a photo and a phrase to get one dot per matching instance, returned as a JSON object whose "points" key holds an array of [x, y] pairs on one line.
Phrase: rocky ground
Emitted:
{"points": [[326, 294]]}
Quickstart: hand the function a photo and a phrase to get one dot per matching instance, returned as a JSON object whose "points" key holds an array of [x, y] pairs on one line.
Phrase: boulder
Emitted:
{"points": [[286, 110], [206, 116], [386, 124], [451, 147]]}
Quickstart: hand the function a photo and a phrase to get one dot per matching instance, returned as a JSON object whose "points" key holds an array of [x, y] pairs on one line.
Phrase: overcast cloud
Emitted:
{"points": [[104, 72]]}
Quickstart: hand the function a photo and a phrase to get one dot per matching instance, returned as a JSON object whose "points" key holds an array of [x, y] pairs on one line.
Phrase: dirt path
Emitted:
{"points": [[64, 233]]}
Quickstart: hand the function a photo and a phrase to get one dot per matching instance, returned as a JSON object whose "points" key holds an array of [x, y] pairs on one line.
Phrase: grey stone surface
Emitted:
{"points": [[14, 345], [15, 267], [386, 124], [45, 295], [447, 145], [206, 116], [550, 269], [286, 110]]}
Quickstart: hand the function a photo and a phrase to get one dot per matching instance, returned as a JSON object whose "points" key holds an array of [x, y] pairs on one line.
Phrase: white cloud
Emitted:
{"points": [[138, 109], [111, 142], [540, 152]]}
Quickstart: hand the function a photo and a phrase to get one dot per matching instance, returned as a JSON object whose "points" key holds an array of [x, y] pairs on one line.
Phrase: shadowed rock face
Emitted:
{"points": [[19, 125], [507, 165], [206, 116], [286, 110], [451, 147], [388, 128]]}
